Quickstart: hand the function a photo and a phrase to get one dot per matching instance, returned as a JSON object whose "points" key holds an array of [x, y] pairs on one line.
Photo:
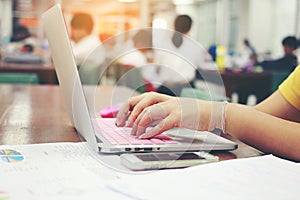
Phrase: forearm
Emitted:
{"points": [[263, 131], [277, 106]]}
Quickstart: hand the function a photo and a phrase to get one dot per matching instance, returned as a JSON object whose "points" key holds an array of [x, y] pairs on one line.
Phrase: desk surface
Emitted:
{"points": [[33, 114]]}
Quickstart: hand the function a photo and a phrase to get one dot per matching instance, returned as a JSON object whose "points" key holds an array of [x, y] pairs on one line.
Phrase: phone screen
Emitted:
{"points": [[169, 156]]}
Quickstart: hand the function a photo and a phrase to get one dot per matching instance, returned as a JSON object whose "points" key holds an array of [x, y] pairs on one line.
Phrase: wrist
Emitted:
{"points": [[218, 116], [205, 114], [223, 116]]}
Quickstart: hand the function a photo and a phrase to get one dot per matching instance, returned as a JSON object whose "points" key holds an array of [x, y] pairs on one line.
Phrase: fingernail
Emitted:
{"points": [[117, 122], [143, 136]]}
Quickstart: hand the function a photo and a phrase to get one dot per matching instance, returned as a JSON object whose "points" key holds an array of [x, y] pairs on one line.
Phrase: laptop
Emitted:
{"points": [[100, 133]]}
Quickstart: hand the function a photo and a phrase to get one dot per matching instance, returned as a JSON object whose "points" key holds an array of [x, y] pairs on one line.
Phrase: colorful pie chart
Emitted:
{"points": [[11, 156]]}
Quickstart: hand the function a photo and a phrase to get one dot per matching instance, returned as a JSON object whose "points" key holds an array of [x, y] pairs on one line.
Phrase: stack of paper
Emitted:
{"points": [[266, 177], [70, 171]]}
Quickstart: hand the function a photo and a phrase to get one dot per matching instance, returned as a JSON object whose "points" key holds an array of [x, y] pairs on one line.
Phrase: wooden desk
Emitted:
{"points": [[36, 114], [243, 83], [46, 74]]}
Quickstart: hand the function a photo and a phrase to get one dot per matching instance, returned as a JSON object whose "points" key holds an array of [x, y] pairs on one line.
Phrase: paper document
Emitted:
{"points": [[66, 171], [265, 177], [53, 171]]}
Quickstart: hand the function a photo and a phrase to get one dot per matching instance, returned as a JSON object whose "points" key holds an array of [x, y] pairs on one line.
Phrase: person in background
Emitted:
{"points": [[20, 33], [140, 56], [140, 50], [288, 62], [87, 48], [22, 41], [250, 51], [84, 42], [272, 126], [246, 59], [180, 61], [27, 48], [23, 48]]}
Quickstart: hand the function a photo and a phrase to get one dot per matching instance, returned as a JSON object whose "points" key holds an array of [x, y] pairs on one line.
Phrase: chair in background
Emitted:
{"points": [[132, 78], [278, 78], [90, 74], [19, 78]]}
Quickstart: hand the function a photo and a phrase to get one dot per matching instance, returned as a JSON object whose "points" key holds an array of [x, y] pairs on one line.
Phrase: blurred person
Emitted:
{"points": [[178, 56], [20, 33], [288, 62], [272, 126], [141, 56], [250, 50], [139, 50], [23, 48], [27, 48], [246, 59], [87, 48], [250, 54], [22, 41], [84, 42]]}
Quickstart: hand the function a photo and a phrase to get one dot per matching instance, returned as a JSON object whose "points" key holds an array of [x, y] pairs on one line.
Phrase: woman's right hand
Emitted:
{"points": [[162, 112], [131, 110]]}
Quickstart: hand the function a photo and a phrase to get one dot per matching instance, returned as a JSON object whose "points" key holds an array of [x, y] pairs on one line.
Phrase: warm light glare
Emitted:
{"points": [[127, 1], [160, 23], [183, 2]]}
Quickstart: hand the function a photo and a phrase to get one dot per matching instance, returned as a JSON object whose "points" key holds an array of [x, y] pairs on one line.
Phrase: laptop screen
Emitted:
{"points": [[68, 76]]}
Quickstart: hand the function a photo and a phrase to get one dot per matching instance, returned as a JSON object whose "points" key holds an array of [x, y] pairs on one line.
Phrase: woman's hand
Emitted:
{"points": [[130, 111], [162, 112]]}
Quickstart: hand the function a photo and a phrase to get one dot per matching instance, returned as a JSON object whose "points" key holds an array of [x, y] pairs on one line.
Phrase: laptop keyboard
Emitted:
{"points": [[121, 135]]}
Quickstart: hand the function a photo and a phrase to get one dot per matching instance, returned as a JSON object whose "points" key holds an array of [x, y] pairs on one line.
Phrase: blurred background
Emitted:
{"points": [[222, 25], [225, 22]]}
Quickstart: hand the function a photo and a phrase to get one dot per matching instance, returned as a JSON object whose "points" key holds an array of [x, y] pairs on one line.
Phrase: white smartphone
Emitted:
{"points": [[144, 161]]}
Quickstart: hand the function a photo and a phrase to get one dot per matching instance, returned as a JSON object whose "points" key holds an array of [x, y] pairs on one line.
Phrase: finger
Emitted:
{"points": [[148, 100], [125, 110], [136, 105], [135, 125], [148, 116], [122, 115], [154, 123], [161, 127], [143, 121]]}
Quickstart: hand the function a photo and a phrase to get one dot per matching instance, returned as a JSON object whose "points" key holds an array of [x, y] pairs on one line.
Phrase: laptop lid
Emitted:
{"points": [[68, 76]]}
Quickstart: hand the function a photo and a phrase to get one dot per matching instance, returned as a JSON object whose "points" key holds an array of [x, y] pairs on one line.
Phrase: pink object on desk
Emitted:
{"points": [[110, 111]]}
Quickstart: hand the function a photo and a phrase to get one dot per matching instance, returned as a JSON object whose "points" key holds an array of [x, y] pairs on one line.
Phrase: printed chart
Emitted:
{"points": [[10, 156], [4, 195]]}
